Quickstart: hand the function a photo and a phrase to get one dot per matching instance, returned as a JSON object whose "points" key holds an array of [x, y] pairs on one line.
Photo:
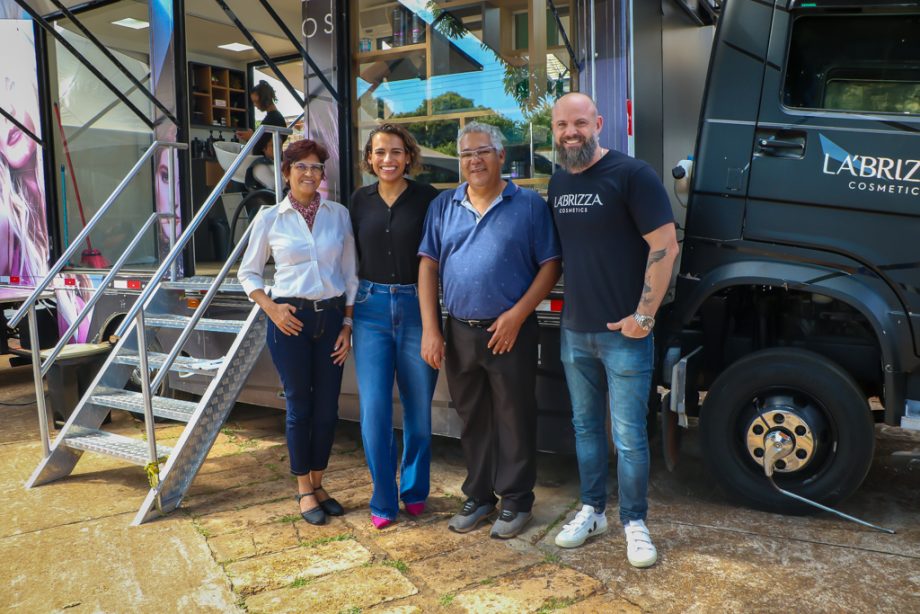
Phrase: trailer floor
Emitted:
{"points": [[238, 543]]}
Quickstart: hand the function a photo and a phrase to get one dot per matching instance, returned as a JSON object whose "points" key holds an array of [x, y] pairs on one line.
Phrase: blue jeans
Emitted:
{"points": [[594, 362], [311, 386], [387, 342]]}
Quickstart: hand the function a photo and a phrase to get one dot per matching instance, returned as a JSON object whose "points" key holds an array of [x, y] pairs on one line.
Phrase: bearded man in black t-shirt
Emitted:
{"points": [[619, 245]]}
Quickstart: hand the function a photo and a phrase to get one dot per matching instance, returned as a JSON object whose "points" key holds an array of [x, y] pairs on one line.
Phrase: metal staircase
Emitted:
{"points": [[170, 470]]}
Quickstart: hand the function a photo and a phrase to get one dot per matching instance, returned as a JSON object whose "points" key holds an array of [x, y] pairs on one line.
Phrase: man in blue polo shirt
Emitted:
{"points": [[494, 248]]}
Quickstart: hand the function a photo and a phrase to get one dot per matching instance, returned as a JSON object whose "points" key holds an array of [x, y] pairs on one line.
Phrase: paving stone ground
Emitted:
{"points": [[238, 544]]}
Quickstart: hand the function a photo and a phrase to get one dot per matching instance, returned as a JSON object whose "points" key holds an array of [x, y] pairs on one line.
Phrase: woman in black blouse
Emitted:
{"points": [[388, 218]]}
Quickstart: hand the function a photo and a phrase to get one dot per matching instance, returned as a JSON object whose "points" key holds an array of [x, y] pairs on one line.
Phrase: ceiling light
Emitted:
{"points": [[235, 47], [131, 22]]}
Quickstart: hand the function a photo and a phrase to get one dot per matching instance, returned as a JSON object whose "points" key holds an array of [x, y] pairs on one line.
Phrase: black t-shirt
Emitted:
{"points": [[601, 215], [272, 118], [387, 238]]}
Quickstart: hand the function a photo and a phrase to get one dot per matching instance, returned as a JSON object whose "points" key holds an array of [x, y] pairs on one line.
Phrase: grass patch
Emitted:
{"points": [[552, 604], [397, 565], [299, 582], [561, 517], [289, 518], [453, 498], [487, 582], [201, 530], [326, 540], [446, 600], [552, 558], [352, 610]]}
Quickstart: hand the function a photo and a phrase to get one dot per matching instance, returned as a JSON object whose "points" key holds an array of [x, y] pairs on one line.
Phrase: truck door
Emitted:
{"points": [[836, 158]]}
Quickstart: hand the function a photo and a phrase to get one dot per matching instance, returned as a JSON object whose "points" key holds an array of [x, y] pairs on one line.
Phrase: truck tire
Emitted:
{"points": [[807, 397]]}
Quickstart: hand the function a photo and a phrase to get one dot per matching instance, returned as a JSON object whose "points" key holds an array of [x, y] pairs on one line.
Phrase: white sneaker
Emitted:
{"points": [[640, 550], [586, 524]]}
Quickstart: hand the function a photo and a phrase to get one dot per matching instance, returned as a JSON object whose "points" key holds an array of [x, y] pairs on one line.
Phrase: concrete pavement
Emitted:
{"points": [[238, 543]]}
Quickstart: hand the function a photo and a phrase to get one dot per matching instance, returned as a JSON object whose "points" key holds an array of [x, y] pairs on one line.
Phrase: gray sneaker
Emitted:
{"points": [[470, 516], [509, 524]]}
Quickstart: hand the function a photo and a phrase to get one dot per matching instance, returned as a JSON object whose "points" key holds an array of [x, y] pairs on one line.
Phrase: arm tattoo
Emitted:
{"points": [[653, 257], [646, 298]]}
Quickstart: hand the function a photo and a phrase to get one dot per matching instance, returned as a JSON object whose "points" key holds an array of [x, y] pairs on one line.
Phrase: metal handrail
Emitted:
{"points": [[221, 275], [137, 310], [199, 311], [88, 307], [189, 231], [78, 241]]}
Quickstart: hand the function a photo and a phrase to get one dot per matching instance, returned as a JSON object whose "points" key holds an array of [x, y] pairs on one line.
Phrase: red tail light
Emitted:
{"points": [[134, 284], [629, 117], [555, 304]]}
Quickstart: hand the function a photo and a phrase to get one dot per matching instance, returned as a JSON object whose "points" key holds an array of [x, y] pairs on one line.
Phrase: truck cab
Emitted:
{"points": [[799, 283]]}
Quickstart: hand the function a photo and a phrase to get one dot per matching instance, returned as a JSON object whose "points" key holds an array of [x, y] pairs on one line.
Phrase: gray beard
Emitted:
{"points": [[576, 159]]}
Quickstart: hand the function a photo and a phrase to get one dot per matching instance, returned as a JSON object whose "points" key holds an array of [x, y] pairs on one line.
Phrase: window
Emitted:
{"points": [[435, 65], [869, 63]]}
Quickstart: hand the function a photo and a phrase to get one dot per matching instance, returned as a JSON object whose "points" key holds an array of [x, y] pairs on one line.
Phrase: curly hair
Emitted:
{"points": [[413, 164], [300, 150]]}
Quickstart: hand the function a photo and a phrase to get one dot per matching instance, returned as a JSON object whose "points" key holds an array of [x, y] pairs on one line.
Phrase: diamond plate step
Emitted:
{"points": [[206, 324], [203, 284], [110, 444], [182, 364], [171, 409]]}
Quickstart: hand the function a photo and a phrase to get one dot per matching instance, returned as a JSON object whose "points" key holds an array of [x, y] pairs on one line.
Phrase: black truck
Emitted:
{"points": [[797, 304]]}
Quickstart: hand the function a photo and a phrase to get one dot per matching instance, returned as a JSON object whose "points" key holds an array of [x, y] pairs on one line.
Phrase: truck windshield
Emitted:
{"points": [[867, 63]]}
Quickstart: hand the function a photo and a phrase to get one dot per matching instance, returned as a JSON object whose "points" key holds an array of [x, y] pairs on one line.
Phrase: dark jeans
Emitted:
{"points": [[495, 398], [311, 386]]}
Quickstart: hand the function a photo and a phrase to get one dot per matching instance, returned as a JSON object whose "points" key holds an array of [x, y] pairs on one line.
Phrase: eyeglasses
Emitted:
{"points": [[468, 154], [312, 169]]}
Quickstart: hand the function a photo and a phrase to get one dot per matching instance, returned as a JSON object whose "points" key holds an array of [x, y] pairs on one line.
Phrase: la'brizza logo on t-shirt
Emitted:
{"points": [[576, 203]]}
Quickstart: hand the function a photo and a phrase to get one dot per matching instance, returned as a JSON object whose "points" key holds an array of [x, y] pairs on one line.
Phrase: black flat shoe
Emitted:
{"points": [[315, 516], [330, 505]]}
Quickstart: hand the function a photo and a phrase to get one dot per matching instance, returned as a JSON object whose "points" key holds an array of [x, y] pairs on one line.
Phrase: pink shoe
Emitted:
{"points": [[415, 509], [379, 522]]}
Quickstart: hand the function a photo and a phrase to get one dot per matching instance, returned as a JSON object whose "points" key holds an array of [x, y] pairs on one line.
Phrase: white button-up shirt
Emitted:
{"points": [[313, 265]]}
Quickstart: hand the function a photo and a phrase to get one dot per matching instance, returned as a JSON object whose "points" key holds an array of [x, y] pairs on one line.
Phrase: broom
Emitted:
{"points": [[91, 257]]}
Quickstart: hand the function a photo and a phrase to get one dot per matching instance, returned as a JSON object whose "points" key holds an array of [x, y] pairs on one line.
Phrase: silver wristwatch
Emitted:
{"points": [[644, 322]]}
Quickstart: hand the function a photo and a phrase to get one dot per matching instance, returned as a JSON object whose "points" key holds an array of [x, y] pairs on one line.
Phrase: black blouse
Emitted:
{"points": [[387, 238]]}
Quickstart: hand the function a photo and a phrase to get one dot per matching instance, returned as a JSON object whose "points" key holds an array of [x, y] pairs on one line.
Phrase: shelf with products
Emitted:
{"points": [[219, 97]]}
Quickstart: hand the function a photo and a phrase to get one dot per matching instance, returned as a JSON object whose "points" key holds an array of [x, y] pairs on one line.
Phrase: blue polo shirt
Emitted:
{"points": [[486, 267]]}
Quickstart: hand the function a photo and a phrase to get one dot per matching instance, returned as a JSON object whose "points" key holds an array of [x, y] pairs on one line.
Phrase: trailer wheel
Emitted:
{"points": [[807, 397]]}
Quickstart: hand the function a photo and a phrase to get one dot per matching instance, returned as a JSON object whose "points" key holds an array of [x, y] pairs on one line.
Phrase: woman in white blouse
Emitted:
{"points": [[309, 333]]}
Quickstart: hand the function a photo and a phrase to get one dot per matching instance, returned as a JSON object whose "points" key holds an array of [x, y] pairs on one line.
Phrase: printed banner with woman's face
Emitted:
{"points": [[24, 248], [162, 66], [24, 238]]}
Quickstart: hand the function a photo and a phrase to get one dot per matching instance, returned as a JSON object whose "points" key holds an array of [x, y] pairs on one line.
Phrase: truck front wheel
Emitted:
{"points": [[808, 398]]}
